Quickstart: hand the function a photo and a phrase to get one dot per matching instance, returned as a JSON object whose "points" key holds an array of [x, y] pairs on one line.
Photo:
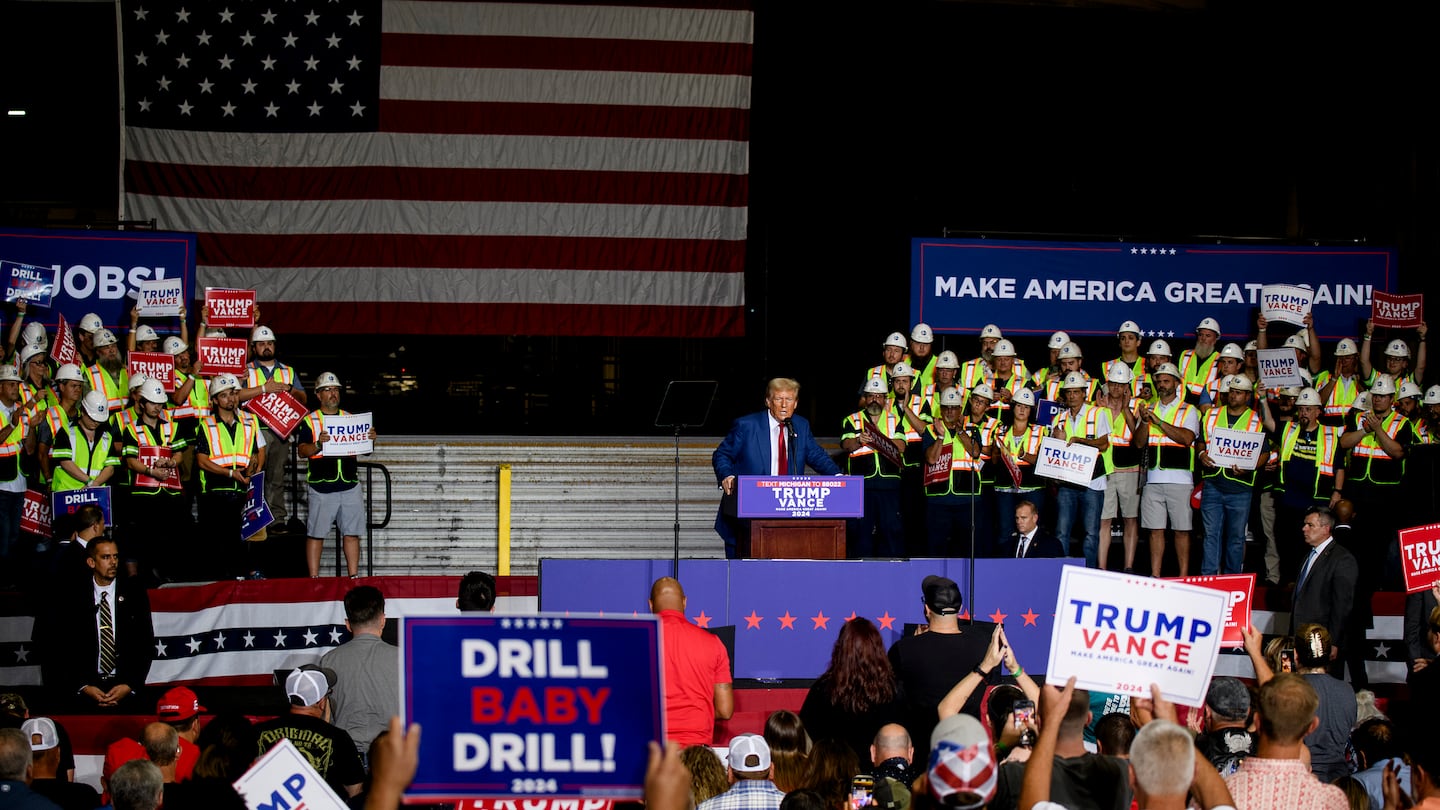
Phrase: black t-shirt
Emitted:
{"points": [[822, 719], [930, 664], [69, 795], [1088, 782], [330, 750], [1226, 748]]}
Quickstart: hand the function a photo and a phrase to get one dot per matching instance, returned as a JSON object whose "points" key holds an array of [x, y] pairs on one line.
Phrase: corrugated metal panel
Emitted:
{"points": [[571, 498]]}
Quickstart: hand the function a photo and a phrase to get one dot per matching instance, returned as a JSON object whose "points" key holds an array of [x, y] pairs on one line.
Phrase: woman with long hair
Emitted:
{"points": [[857, 694], [789, 747], [707, 773]]}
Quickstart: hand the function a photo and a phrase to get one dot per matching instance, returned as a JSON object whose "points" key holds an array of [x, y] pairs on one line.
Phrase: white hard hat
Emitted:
{"points": [[1345, 348], [1296, 342], [145, 332], [1023, 397], [1239, 382], [1209, 323], [1384, 385], [329, 380], [922, 333], [153, 391], [137, 379], [1232, 351], [95, 406], [1397, 348], [28, 353], [9, 373], [69, 373], [1074, 380], [1167, 368], [901, 369], [214, 331], [1309, 396], [983, 390], [1058, 339], [1128, 326], [1003, 348], [951, 398], [262, 333], [104, 337], [1408, 389], [1289, 391], [895, 339], [1161, 348], [991, 331], [90, 323], [1362, 402], [1070, 350], [1252, 345], [947, 359], [874, 385], [224, 382], [1120, 373], [1432, 395], [34, 332], [173, 345]]}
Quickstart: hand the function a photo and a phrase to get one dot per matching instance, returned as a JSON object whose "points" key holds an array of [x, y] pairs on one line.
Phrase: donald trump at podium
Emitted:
{"points": [[771, 442]]}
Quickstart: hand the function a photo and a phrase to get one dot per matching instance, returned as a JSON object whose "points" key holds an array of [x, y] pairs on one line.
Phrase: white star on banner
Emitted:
{"points": [[228, 109], [280, 638], [226, 15], [314, 108], [22, 655], [1381, 650], [220, 640], [312, 19], [268, 16], [225, 62], [335, 635], [141, 13], [310, 636], [193, 644], [271, 110], [160, 649], [182, 16], [249, 638]]}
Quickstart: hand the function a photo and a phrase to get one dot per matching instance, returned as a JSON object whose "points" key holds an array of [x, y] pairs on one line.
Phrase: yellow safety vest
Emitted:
{"points": [[1364, 454], [1169, 454], [116, 391], [230, 452], [1251, 423], [1327, 438], [90, 459], [1196, 374]]}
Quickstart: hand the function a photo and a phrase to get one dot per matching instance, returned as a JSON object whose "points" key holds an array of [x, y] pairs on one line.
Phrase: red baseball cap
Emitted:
{"points": [[178, 705]]}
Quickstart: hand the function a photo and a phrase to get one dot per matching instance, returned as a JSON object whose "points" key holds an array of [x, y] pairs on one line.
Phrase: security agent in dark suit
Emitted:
{"points": [[78, 665], [1029, 540], [753, 448], [1325, 590]]}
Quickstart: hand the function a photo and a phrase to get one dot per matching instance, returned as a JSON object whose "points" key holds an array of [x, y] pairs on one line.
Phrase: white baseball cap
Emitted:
{"points": [[951, 398], [896, 339], [262, 333], [95, 406], [145, 332], [874, 385], [69, 373], [1383, 386], [173, 345], [991, 331], [90, 323], [1069, 350], [1309, 396], [901, 369], [983, 390], [1345, 348], [309, 684], [44, 729], [1161, 348], [1232, 351], [1209, 323], [1397, 348], [947, 359], [749, 753], [104, 337], [326, 380], [922, 333], [153, 391], [1128, 326], [1120, 373], [1003, 348], [1057, 340], [224, 382], [1023, 397], [1074, 380]]}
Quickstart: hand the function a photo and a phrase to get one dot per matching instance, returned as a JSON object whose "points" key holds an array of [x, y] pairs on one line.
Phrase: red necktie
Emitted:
{"points": [[782, 465]]}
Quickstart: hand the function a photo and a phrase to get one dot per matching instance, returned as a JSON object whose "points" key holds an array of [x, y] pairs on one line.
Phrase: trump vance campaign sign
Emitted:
{"points": [[548, 705]]}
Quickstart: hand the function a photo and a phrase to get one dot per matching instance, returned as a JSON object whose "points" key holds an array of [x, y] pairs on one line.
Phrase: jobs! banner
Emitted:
{"points": [[1235, 448], [1420, 556], [349, 433], [1033, 288], [34, 284], [800, 496], [1400, 311], [1240, 590], [221, 355], [70, 501], [548, 705], [229, 309], [160, 298], [1279, 368], [155, 365], [279, 410], [1072, 463], [1121, 632], [1286, 303]]}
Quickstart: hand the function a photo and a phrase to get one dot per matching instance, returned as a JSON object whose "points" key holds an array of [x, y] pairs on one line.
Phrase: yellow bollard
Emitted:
{"points": [[502, 561]]}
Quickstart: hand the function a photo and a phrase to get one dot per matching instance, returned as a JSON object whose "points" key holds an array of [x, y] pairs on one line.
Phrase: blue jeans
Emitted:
{"points": [[1005, 503], [1223, 515], [1070, 502]]}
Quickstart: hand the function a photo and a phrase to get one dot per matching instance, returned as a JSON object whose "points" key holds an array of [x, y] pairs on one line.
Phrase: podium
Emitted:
{"points": [[792, 539]]}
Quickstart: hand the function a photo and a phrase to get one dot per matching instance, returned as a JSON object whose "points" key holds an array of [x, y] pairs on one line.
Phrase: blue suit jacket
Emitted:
{"points": [[746, 449]]}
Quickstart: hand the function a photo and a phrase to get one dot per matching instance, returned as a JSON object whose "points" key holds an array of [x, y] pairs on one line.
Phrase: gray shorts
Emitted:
{"points": [[1162, 501], [345, 508], [1120, 495]]}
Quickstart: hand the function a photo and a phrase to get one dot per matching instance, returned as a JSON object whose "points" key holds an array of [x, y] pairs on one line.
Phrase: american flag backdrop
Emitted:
{"points": [[449, 167]]}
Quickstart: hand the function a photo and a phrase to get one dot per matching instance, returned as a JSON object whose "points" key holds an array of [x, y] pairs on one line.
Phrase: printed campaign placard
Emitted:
{"points": [[1420, 556], [1009, 461], [63, 350], [279, 410], [1286, 303], [1279, 368], [1073, 463], [1046, 410], [284, 778], [219, 355], [938, 472], [349, 434], [256, 515], [229, 309], [548, 705], [1121, 632], [155, 365], [34, 284], [35, 518], [1240, 589], [1400, 311], [881, 443], [1235, 448], [70, 501], [148, 455], [800, 496], [160, 297]]}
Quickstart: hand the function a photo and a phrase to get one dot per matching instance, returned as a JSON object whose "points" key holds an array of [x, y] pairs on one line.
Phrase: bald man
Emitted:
{"points": [[697, 670]]}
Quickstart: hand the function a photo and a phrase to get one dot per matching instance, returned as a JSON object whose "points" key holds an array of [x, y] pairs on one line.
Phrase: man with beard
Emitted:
{"points": [[108, 374], [230, 449], [1197, 365], [1007, 376], [267, 375], [947, 371], [892, 351], [881, 474], [69, 385], [982, 368], [1070, 359]]}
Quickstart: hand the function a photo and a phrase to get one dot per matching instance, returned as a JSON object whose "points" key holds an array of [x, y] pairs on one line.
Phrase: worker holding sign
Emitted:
{"points": [[1235, 446]]}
